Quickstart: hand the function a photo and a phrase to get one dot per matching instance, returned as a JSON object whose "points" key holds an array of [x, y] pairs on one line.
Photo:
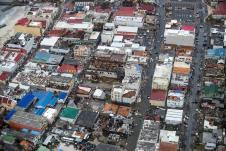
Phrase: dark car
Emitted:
{"points": [[2, 25]]}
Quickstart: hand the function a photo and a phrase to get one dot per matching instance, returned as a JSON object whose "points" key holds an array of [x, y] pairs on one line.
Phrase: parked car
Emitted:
{"points": [[2, 25]]}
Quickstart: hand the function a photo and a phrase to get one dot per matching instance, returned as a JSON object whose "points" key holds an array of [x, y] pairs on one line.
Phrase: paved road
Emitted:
{"points": [[143, 106], [198, 57]]}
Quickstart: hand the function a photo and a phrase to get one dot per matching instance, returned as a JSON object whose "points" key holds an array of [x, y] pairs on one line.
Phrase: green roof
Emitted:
{"points": [[211, 90], [8, 139], [69, 112], [43, 148]]}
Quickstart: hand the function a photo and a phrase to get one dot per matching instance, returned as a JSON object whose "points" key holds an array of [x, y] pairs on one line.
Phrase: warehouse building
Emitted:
{"points": [[174, 116], [179, 37], [24, 120]]}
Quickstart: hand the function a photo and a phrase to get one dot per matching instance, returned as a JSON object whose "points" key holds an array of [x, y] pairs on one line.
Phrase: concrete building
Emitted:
{"points": [[108, 33], [168, 136], [175, 99], [162, 75], [21, 119], [127, 32], [21, 41], [158, 97], [116, 93], [179, 37], [34, 27], [148, 137], [128, 91], [85, 26], [174, 116], [11, 59], [84, 2], [129, 21]]}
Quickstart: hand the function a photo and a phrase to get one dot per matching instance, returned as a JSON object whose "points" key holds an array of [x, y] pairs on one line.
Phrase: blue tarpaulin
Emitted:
{"points": [[216, 52], [39, 111], [35, 133], [62, 95], [26, 101], [46, 98], [9, 115]]}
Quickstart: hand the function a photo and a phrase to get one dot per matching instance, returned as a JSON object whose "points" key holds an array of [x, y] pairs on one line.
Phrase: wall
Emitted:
{"points": [[35, 31]]}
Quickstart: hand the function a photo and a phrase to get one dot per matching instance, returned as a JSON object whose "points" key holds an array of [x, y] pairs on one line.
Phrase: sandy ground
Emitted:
{"points": [[9, 18]]}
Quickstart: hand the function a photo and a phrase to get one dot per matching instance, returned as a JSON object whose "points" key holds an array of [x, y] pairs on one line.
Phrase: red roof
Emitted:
{"points": [[43, 23], [57, 32], [23, 22], [125, 11], [188, 28], [4, 76], [66, 68], [101, 10], [148, 7], [158, 95], [167, 146], [18, 57], [74, 21], [220, 9]]}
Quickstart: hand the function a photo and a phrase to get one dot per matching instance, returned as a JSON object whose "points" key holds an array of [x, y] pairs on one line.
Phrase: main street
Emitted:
{"points": [[198, 55], [144, 105]]}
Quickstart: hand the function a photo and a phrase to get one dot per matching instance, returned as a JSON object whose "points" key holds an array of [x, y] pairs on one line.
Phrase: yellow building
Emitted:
{"points": [[36, 28]]}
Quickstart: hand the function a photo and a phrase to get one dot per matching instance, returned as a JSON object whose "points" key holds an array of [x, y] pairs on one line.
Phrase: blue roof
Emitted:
{"points": [[42, 56], [216, 52], [138, 68], [62, 95], [25, 130], [35, 133], [46, 98], [9, 115], [26, 101], [39, 111]]}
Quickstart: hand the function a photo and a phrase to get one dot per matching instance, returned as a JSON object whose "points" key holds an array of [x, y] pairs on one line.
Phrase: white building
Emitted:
{"points": [[99, 94], [132, 83], [148, 137], [85, 26], [22, 41], [49, 42], [129, 96], [225, 39], [179, 37], [168, 136], [116, 93], [108, 33], [129, 21], [130, 88], [179, 79], [175, 99], [50, 114], [174, 116], [161, 78], [133, 70]]}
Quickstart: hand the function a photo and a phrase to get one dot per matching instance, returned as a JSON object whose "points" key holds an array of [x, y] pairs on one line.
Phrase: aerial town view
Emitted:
{"points": [[112, 75]]}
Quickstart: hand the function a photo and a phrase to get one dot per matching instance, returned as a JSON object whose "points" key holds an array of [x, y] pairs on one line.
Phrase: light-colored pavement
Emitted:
{"points": [[10, 17]]}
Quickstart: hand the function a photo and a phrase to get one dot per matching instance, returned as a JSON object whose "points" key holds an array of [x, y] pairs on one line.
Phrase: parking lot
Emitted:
{"points": [[183, 15]]}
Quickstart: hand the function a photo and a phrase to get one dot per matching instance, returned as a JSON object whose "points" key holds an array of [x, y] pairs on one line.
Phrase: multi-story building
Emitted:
{"points": [[179, 37]]}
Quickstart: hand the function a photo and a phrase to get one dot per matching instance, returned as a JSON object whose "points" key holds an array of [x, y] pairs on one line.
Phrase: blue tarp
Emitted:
{"points": [[42, 56], [25, 130], [26, 101], [62, 95], [39, 111], [46, 98], [35, 133], [9, 115], [216, 52]]}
